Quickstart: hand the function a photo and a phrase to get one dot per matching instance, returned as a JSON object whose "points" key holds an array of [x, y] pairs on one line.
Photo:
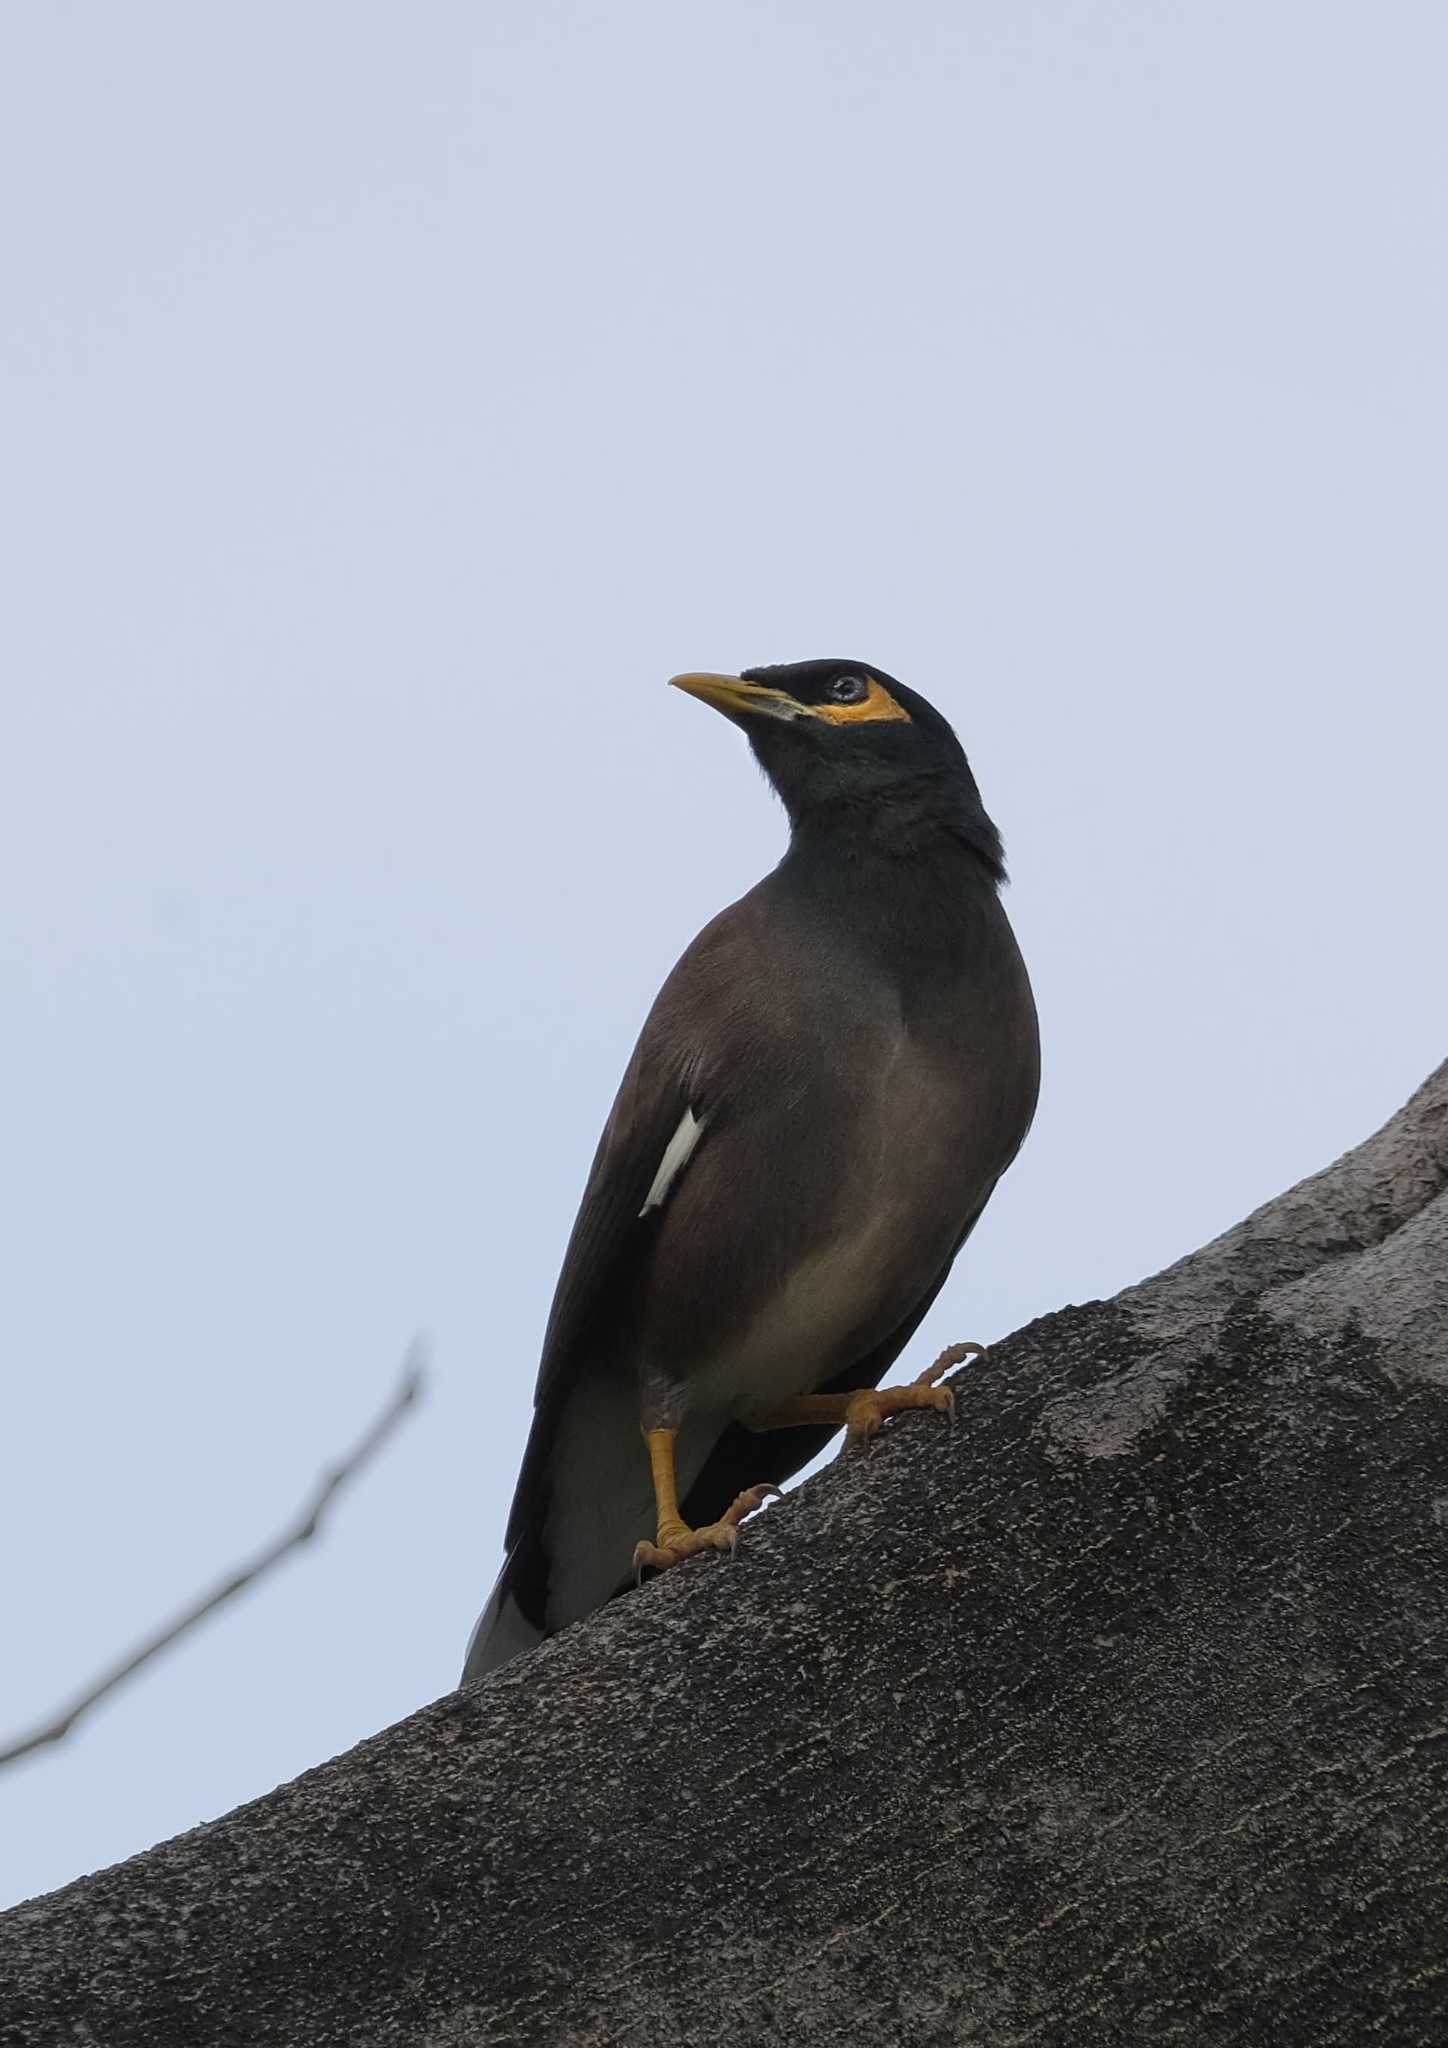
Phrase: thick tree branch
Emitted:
{"points": [[299, 1531], [1116, 1714]]}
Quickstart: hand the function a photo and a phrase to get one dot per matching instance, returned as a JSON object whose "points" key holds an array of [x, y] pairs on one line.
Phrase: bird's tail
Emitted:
{"points": [[502, 1631]]}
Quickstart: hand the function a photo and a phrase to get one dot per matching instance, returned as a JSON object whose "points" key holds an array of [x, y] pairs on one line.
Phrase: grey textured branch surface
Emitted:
{"points": [[300, 1530], [1117, 1714]]}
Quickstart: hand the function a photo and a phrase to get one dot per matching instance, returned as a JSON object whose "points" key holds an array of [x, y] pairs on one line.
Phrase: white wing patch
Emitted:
{"points": [[677, 1154]]}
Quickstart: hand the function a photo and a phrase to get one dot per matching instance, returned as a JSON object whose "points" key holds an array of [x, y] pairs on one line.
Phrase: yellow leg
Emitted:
{"points": [[862, 1413], [676, 1540]]}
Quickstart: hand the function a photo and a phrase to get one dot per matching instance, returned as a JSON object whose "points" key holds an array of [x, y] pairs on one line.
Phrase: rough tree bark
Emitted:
{"points": [[1119, 1714]]}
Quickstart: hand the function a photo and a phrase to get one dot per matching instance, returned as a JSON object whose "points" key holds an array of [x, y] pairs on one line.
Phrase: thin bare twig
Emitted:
{"points": [[297, 1532]]}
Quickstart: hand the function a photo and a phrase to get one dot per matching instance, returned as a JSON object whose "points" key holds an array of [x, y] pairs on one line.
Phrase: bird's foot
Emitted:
{"points": [[866, 1410], [676, 1540]]}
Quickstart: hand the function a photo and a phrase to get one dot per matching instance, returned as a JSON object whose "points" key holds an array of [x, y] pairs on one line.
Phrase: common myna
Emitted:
{"points": [[830, 1084]]}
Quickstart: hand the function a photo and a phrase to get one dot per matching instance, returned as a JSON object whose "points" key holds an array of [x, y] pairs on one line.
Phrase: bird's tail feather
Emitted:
{"points": [[502, 1632]]}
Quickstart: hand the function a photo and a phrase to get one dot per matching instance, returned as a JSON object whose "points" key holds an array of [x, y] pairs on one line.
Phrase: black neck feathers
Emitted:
{"points": [[929, 823]]}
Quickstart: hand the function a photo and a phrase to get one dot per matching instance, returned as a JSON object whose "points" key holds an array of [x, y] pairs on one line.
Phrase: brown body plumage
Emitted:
{"points": [[825, 1093]]}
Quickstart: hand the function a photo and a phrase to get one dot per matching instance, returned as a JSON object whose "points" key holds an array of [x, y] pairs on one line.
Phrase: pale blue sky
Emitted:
{"points": [[393, 399]]}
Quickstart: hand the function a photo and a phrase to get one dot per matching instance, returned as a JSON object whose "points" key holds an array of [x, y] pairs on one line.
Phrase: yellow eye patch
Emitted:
{"points": [[877, 703]]}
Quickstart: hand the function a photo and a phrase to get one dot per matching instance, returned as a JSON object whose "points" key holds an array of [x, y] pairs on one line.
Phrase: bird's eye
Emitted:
{"points": [[849, 690]]}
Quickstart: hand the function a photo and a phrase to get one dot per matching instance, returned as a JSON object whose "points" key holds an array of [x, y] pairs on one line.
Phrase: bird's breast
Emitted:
{"points": [[806, 1236]]}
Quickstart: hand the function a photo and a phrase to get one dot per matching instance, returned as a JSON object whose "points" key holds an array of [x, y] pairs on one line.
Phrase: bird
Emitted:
{"points": [[823, 1097]]}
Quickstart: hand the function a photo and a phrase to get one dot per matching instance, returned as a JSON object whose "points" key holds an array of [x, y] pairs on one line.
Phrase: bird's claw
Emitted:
{"points": [[951, 1356], [676, 1541], [868, 1409]]}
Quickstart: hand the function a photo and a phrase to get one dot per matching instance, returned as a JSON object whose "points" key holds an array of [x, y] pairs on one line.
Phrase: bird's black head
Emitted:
{"points": [[843, 742]]}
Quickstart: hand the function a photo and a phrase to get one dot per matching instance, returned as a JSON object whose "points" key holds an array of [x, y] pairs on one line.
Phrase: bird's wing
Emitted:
{"points": [[656, 1123]]}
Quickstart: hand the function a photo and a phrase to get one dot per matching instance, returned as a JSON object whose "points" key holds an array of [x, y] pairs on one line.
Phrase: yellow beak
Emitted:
{"points": [[738, 699]]}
